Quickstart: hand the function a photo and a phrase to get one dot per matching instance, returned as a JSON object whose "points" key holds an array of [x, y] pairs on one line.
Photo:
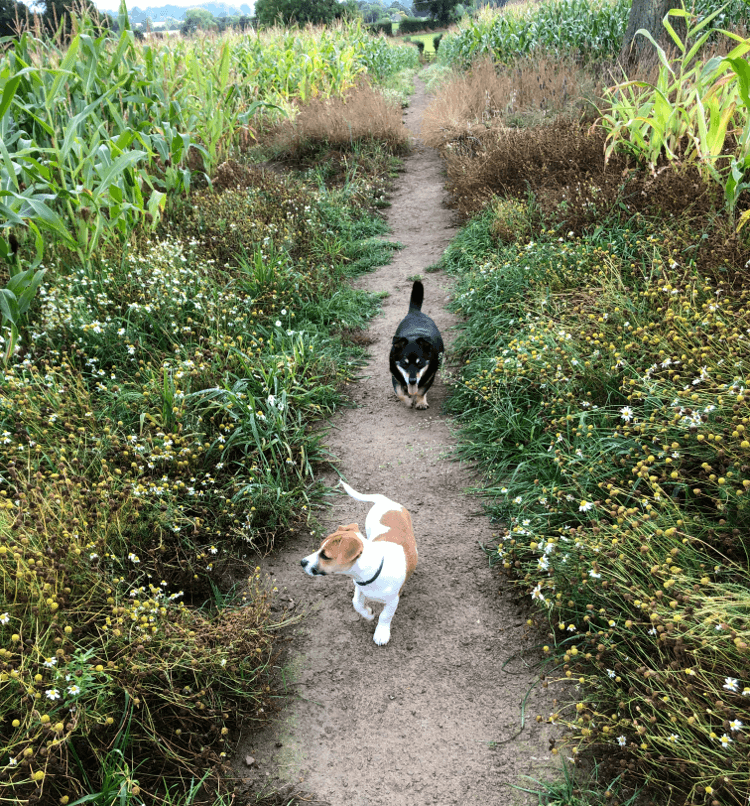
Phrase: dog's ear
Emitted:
{"points": [[350, 527], [351, 548]]}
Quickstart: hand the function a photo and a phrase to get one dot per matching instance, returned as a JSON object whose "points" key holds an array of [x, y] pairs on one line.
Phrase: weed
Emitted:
{"points": [[603, 391]]}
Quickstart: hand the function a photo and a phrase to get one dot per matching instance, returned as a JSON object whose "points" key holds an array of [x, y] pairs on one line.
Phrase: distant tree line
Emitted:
{"points": [[51, 15], [54, 13]]}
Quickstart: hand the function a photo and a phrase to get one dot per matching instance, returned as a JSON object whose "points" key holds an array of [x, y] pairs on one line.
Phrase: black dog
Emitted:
{"points": [[417, 346]]}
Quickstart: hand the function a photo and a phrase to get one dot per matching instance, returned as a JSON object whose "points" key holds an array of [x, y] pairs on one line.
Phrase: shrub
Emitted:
{"points": [[491, 97], [382, 27], [363, 114], [411, 25]]}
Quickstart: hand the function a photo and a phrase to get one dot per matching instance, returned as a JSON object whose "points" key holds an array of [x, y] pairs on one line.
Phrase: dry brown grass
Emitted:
{"points": [[510, 132], [562, 164], [363, 114], [537, 89]]}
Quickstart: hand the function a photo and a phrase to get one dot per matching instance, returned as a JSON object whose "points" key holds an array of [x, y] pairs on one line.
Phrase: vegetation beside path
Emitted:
{"points": [[162, 376], [604, 385]]}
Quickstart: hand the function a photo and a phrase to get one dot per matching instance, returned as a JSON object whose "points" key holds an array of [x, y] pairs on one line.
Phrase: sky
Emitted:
{"points": [[113, 5]]}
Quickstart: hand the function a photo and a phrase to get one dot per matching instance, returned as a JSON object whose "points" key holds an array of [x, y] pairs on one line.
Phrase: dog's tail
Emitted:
{"points": [[373, 499], [417, 295]]}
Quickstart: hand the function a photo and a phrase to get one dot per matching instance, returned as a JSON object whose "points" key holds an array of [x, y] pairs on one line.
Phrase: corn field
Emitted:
{"points": [[593, 30], [96, 132]]}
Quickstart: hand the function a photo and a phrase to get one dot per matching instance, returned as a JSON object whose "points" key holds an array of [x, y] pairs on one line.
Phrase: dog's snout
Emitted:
{"points": [[304, 562]]}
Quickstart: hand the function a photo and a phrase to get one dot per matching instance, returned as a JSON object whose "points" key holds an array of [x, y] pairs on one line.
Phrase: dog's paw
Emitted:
{"points": [[422, 406], [382, 635], [365, 611]]}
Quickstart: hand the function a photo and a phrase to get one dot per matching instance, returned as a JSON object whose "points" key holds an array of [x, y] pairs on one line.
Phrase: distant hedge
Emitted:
{"points": [[384, 26], [410, 25]]}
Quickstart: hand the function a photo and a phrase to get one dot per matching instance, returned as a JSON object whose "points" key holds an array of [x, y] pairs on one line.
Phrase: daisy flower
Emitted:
{"points": [[731, 684]]}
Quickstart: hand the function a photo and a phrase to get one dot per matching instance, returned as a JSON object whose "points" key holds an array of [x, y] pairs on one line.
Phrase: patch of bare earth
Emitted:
{"points": [[434, 717]]}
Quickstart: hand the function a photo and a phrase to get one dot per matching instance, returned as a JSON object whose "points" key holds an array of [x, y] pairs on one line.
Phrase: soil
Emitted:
{"points": [[434, 717]]}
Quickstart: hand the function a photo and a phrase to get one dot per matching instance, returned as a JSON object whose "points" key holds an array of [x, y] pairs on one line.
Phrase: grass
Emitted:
{"points": [[603, 393], [155, 435], [569, 791]]}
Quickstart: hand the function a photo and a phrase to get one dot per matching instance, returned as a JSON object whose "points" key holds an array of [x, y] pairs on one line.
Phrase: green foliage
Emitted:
{"points": [[300, 12], [198, 19], [592, 29], [384, 27], [603, 392], [441, 11], [410, 25], [691, 111], [154, 434], [94, 141]]}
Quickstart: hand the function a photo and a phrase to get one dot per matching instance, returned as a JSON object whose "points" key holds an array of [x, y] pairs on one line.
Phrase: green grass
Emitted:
{"points": [[156, 433], [603, 394], [428, 38]]}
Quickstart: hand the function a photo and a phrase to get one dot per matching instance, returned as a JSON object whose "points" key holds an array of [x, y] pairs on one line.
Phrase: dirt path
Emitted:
{"points": [[426, 719]]}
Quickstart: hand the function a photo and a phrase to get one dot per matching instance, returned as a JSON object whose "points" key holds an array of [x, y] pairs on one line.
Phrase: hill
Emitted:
{"points": [[161, 13]]}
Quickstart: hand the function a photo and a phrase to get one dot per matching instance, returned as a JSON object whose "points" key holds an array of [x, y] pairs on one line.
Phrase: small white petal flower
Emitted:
{"points": [[731, 684], [622, 741], [52, 694]]}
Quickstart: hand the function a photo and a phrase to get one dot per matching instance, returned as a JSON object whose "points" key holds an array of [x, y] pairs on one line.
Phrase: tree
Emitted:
{"points": [[200, 19], [440, 10], [57, 13], [648, 14], [12, 14], [289, 12]]}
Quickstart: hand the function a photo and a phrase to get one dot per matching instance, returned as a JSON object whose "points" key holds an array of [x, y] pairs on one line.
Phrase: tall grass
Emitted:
{"points": [[604, 393], [97, 132]]}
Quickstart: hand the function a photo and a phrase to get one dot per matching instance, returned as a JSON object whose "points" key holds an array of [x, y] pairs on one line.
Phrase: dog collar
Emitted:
{"points": [[372, 579]]}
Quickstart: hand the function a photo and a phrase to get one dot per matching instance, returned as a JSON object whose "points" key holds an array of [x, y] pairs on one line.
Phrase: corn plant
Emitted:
{"points": [[688, 113], [595, 30]]}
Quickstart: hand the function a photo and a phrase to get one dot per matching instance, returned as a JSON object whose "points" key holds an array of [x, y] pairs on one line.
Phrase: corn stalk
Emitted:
{"points": [[687, 115]]}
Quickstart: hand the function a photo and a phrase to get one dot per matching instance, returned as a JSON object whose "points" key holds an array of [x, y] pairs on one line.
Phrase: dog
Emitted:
{"points": [[379, 564], [415, 354]]}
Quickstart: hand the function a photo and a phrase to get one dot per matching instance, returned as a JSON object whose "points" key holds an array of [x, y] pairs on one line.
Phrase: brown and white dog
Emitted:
{"points": [[379, 564]]}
